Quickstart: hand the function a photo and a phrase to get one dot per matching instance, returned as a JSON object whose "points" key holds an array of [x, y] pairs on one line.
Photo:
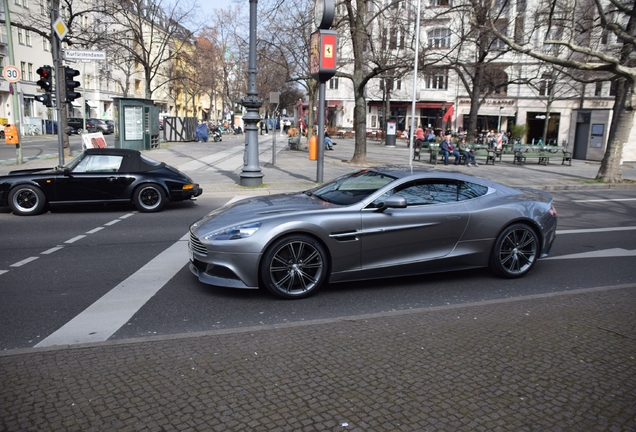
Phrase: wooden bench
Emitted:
{"points": [[479, 150], [541, 153]]}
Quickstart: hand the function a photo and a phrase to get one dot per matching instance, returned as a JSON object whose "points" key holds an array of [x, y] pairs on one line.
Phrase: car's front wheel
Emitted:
{"points": [[149, 198], [515, 251], [294, 267], [27, 200]]}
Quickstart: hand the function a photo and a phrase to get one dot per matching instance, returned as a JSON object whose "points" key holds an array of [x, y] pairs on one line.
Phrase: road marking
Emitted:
{"points": [[126, 216], [50, 251], [113, 222], [74, 239], [596, 230], [4, 271], [93, 231], [606, 253], [24, 261], [604, 200], [103, 318]]}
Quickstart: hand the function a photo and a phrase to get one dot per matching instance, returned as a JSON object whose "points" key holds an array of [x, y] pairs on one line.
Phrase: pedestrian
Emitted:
{"points": [[446, 147], [328, 142], [467, 152]]}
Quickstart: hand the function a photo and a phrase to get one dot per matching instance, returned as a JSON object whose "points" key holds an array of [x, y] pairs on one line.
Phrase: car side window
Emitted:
{"points": [[423, 192], [99, 163], [468, 190]]}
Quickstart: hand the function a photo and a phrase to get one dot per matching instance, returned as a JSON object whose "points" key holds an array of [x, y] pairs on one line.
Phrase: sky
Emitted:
{"points": [[208, 6]]}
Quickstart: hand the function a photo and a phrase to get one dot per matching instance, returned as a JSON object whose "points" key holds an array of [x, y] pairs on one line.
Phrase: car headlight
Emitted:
{"points": [[235, 232]]}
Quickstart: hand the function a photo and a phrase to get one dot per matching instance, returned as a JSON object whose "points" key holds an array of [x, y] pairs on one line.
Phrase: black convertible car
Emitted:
{"points": [[101, 175]]}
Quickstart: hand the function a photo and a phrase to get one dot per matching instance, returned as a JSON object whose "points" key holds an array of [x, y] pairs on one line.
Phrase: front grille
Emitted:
{"points": [[197, 246]]}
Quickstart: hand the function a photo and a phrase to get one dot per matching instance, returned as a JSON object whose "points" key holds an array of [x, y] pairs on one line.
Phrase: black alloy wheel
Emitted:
{"points": [[515, 251], [27, 200], [149, 198]]}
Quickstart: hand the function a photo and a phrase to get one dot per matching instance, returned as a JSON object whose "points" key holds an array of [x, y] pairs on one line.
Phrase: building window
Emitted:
{"points": [[519, 29], [25, 3], [43, 9], [393, 39], [613, 87], [30, 71], [333, 83], [20, 36], [27, 107], [546, 85], [436, 3], [598, 89], [439, 38], [502, 26], [27, 37], [604, 37], [23, 68], [46, 44], [436, 80]]}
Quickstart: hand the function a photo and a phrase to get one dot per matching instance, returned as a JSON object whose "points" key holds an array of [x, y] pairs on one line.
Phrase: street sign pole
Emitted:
{"points": [[59, 78], [16, 104]]}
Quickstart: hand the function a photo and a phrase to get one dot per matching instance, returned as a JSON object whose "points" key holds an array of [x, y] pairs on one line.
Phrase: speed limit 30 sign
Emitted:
{"points": [[12, 73]]}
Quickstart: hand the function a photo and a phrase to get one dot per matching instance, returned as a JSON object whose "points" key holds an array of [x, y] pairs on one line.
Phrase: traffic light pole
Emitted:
{"points": [[59, 80]]}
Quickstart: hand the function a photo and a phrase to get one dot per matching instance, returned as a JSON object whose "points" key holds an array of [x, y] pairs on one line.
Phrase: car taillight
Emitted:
{"points": [[552, 211]]}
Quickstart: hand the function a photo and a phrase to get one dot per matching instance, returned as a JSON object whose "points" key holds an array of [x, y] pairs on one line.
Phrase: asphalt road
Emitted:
{"points": [[54, 266]]}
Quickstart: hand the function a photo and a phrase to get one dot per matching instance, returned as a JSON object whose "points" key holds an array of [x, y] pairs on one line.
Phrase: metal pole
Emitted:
{"points": [[417, 50], [499, 120], [321, 132], [59, 80], [251, 174], [14, 98]]}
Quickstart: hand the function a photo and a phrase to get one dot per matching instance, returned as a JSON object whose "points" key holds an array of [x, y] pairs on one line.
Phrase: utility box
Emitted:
{"points": [[11, 134], [390, 132], [136, 124]]}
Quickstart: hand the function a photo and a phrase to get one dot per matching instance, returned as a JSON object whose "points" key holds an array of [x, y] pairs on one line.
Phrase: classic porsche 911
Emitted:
{"points": [[97, 176], [372, 224]]}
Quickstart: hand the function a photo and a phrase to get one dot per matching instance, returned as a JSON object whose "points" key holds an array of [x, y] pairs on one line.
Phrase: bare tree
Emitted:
{"points": [[583, 29]]}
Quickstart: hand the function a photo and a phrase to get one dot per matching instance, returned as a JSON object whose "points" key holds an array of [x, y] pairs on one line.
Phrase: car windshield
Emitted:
{"points": [[351, 188]]}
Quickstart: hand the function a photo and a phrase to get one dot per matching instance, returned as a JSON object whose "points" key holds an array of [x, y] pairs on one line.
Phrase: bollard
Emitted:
{"points": [[313, 147]]}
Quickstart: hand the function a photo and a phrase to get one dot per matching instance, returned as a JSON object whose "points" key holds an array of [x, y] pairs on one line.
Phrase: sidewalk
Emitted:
{"points": [[294, 171], [554, 362]]}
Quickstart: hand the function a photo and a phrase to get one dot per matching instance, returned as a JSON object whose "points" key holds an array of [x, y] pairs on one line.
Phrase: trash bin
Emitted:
{"points": [[11, 134], [390, 133], [313, 147]]}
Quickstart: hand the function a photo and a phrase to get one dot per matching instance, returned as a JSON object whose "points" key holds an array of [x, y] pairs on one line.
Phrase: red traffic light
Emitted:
{"points": [[46, 78]]}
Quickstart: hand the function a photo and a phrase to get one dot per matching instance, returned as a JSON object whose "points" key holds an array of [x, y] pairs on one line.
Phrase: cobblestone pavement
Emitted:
{"points": [[562, 362]]}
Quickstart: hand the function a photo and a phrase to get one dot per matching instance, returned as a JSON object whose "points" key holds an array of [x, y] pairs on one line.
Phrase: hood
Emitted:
{"points": [[264, 207], [34, 171]]}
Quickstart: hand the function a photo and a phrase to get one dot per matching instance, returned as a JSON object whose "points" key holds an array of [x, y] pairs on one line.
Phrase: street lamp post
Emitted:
{"points": [[251, 174]]}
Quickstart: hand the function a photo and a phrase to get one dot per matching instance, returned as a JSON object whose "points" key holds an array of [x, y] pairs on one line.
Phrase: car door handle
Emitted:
{"points": [[453, 217], [111, 179]]}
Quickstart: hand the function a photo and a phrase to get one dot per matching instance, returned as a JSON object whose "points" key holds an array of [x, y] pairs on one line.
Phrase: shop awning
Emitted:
{"points": [[76, 104], [91, 104]]}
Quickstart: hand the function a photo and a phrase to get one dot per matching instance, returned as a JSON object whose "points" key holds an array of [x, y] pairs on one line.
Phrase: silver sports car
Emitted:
{"points": [[372, 224]]}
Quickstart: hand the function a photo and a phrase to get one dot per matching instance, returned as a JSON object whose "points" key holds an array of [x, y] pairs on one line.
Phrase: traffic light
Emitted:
{"points": [[46, 84], [71, 84]]}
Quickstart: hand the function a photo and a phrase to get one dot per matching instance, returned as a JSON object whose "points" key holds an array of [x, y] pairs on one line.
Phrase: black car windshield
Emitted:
{"points": [[352, 188]]}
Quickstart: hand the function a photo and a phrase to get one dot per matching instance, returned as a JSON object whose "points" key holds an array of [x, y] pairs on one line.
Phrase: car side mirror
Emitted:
{"points": [[393, 201], [67, 172]]}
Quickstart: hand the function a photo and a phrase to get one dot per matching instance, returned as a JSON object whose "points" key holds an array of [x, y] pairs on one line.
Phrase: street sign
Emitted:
{"points": [[60, 28], [12, 73], [84, 55]]}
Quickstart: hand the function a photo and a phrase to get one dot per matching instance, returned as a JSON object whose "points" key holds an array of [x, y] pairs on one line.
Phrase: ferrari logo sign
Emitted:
{"points": [[60, 28], [322, 58]]}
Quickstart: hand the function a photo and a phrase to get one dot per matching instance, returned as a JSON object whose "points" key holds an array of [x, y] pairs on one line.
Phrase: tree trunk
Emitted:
{"points": [[622, 122], [359, 126]]}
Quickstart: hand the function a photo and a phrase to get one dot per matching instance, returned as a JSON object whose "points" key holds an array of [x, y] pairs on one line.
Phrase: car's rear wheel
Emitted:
{"points": [[27, 200], [149, 198], [294, 267], [515, 251]]}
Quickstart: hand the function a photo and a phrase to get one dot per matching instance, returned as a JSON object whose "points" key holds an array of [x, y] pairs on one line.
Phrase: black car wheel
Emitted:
{"points": [[149, 198], [294, 267], [515, 251], [27, 200]]}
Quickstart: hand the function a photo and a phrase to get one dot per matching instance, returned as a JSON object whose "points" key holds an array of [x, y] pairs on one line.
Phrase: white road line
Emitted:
{"points": [[113, 222], [108, 314], [126, 216], [24, 261], [596, 230], [93, 231], [4, 271], [74, 239], [50, 251], [606, 253], [604, 200]]}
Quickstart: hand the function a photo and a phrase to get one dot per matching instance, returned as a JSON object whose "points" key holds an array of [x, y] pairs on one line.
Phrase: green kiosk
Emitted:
{"points": [[136, 124]]}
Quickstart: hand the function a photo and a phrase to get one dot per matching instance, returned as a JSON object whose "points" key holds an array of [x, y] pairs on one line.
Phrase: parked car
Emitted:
{"points": [[97, 176], [372, 224], [98, 125], [111, 125], [76, 123]]}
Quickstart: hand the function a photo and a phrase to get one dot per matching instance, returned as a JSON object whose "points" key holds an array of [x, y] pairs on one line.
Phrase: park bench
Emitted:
{"points": [[480, 150], [542, 153]]}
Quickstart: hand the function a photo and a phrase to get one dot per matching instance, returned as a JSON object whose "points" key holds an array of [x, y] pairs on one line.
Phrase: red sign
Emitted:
{"points": [[323, 55]]}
